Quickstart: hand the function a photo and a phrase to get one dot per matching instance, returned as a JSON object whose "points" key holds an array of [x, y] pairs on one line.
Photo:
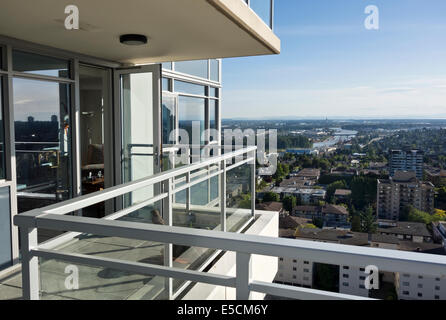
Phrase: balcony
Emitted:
{"points": [[192, 254]]}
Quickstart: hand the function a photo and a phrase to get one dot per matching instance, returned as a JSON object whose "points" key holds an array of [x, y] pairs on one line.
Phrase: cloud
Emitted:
{"points": [[391, 100]]}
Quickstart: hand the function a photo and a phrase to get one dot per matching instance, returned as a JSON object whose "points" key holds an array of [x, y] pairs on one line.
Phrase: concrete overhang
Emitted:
{"points": [[176, 29]]}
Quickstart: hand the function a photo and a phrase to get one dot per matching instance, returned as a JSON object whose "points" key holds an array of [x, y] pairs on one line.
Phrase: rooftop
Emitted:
{"points": [[406, 228], [342, 192]]}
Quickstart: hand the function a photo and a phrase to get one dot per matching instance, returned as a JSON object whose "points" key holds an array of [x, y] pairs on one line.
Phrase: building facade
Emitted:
{"points": [[402, 190], [406, 160]]}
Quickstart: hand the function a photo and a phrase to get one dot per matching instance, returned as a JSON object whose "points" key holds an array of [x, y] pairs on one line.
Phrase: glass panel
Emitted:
{"points": [[2, 136], [191, 113], [1, 58], [5, 229], [169, 114], [185, 87], [72, 281], [198, 68], [215, 70], [166, 84], [238, 197], [263, 9], [37, 64], [213, 111], [43, 142], [167, 65], [138, 136], [213, 92], [94, 104]]}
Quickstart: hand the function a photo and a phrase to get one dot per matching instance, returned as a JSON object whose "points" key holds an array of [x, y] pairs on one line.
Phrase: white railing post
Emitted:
{"points": [[168, 250], [253, 183], [30, 264], [223, 195], [188, 193], [243, 276]]}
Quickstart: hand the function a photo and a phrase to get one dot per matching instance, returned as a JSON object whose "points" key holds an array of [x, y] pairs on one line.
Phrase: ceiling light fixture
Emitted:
{"points": [[133, 39]]}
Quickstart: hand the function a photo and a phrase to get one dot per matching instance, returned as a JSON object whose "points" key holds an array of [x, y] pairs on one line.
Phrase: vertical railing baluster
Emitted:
{"points": [[223, 195], [168, 256], [30, 264], [253, 183], [243, 276]]}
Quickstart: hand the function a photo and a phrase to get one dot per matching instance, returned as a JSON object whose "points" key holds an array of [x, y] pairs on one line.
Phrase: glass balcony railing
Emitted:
{"points": [[210, 190], [264, 9]]}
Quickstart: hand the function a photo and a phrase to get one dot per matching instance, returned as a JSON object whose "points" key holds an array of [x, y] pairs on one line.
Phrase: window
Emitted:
{"points": [[361, 286], [361, 278], [167, 65], [437, 297], [215, 70], [346, 276], [306, 262], [420, 294], [346, 267], [406, 293], [420, 277], [213, 92], [406, 275], [191, 113], [280, 259], [189, 88], [166, 84], [306, 270], [5, 229], [294, 261], [42, 65], [213, 111], [198, 68], [294, 269], [43, 142], [2, 134], [406, 284], [420, 285], [306, 279], [361, 269], [294, 277], [437, 287]]}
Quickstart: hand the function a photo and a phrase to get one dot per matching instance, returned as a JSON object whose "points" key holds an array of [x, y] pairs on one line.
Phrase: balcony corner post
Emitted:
{"points": [[243, 276]]}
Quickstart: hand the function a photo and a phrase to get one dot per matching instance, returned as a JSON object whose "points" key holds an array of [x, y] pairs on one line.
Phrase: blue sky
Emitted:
{"points": [[332, 66]]}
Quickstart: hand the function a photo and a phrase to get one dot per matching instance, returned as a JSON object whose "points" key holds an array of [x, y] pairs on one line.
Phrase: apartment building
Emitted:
{"points": [[332, 216], [409, 286], [406, 160], [300, 272], [401, 190]]}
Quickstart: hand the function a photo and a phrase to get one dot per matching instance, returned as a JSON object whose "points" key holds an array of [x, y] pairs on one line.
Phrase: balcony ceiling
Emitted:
{"points": [[177, 29]]}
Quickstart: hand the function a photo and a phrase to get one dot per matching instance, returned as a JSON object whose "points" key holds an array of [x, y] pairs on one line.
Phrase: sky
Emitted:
{"points": [[332, 66]]}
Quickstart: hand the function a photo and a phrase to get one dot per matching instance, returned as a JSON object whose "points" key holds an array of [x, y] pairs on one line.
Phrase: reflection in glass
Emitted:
{"points": [[190, 88], [42, 142], [2, 136], [94, 104], [165, 84], [37, 64], [215, 70], [169, 114], [198, 68], [5, 229], [191, 112]]}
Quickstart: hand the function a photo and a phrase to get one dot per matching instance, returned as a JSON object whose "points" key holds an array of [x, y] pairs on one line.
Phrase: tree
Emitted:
{"points": [[289, 202], [363, 191], [271, 197], [356, 223], [368, 221], [331, 189]]}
